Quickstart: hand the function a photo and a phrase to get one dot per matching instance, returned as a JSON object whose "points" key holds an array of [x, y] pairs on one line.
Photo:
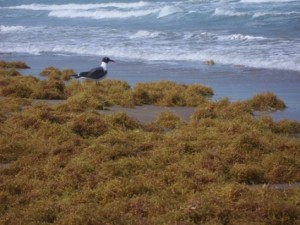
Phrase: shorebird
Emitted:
{"points": [[95, 74]]}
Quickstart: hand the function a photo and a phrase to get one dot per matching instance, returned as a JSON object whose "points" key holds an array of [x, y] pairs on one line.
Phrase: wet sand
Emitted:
{"points": [[144, 114], [150, 113]]}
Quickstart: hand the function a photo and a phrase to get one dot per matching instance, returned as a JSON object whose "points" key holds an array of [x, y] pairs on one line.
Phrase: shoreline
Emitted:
{"points": [[232, 82]]}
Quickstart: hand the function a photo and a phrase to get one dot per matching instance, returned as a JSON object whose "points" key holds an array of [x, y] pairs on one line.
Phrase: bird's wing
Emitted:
{"points": [[96, 73], [83, 74]]}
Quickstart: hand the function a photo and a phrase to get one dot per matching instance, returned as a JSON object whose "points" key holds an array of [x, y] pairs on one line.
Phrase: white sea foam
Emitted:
{"points": [[101, 14], [274, 13], [240, 37], [11, 29], [115, 14], [228, 12], [158, 45], [146, 34], [234, 56], [233, 13], [72, 6], [104, 10], [169, 10]]}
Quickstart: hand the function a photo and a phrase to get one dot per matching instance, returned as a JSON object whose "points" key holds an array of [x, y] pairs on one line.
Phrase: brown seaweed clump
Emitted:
{"points": [[266, 101], [31, 87], [14, 85], [13, 65], [55, 73], [168, 93], [10, 68]]}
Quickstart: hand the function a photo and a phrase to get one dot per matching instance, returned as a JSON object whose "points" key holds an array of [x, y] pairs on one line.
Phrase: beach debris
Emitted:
{"points": [[239, 65], [209, 62]]}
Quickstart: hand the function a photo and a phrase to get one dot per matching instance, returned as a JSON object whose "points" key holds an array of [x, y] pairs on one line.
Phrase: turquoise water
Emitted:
{"points": [[255, 43]]}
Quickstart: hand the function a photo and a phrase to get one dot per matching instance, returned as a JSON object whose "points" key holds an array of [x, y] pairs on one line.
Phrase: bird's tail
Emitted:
{"points": [[75, 75]]}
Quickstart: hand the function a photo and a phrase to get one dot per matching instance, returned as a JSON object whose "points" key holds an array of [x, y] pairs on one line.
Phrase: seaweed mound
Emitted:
{"points": [[70, 164]]}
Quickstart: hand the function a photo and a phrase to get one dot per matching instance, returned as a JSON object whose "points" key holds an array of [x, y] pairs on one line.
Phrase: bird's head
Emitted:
{"points": [[107, 60]]}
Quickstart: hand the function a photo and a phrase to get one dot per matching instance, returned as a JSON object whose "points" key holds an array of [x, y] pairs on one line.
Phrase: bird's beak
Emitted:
{"points": [[111, 60]]}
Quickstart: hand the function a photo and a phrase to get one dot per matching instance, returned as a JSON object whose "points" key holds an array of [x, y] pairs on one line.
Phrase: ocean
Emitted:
{"points": [[254, 43]]}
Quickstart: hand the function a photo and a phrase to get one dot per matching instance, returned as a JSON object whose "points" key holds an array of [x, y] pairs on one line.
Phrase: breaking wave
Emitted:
{"points": [[254, 15], [149, 45], [240, 37], [281, 62], [11, 29], [267, 14], [101, 14], [72, 6], [169, 10], [114, 14], [104, 10], [227, 12], [146, 34]]}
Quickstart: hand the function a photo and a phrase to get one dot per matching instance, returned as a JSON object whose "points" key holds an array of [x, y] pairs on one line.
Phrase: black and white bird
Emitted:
{"points": [[95, 74]]}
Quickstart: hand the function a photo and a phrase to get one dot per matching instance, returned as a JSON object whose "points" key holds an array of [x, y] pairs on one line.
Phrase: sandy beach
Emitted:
{"points": [[144, 114], [149, 113]]}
